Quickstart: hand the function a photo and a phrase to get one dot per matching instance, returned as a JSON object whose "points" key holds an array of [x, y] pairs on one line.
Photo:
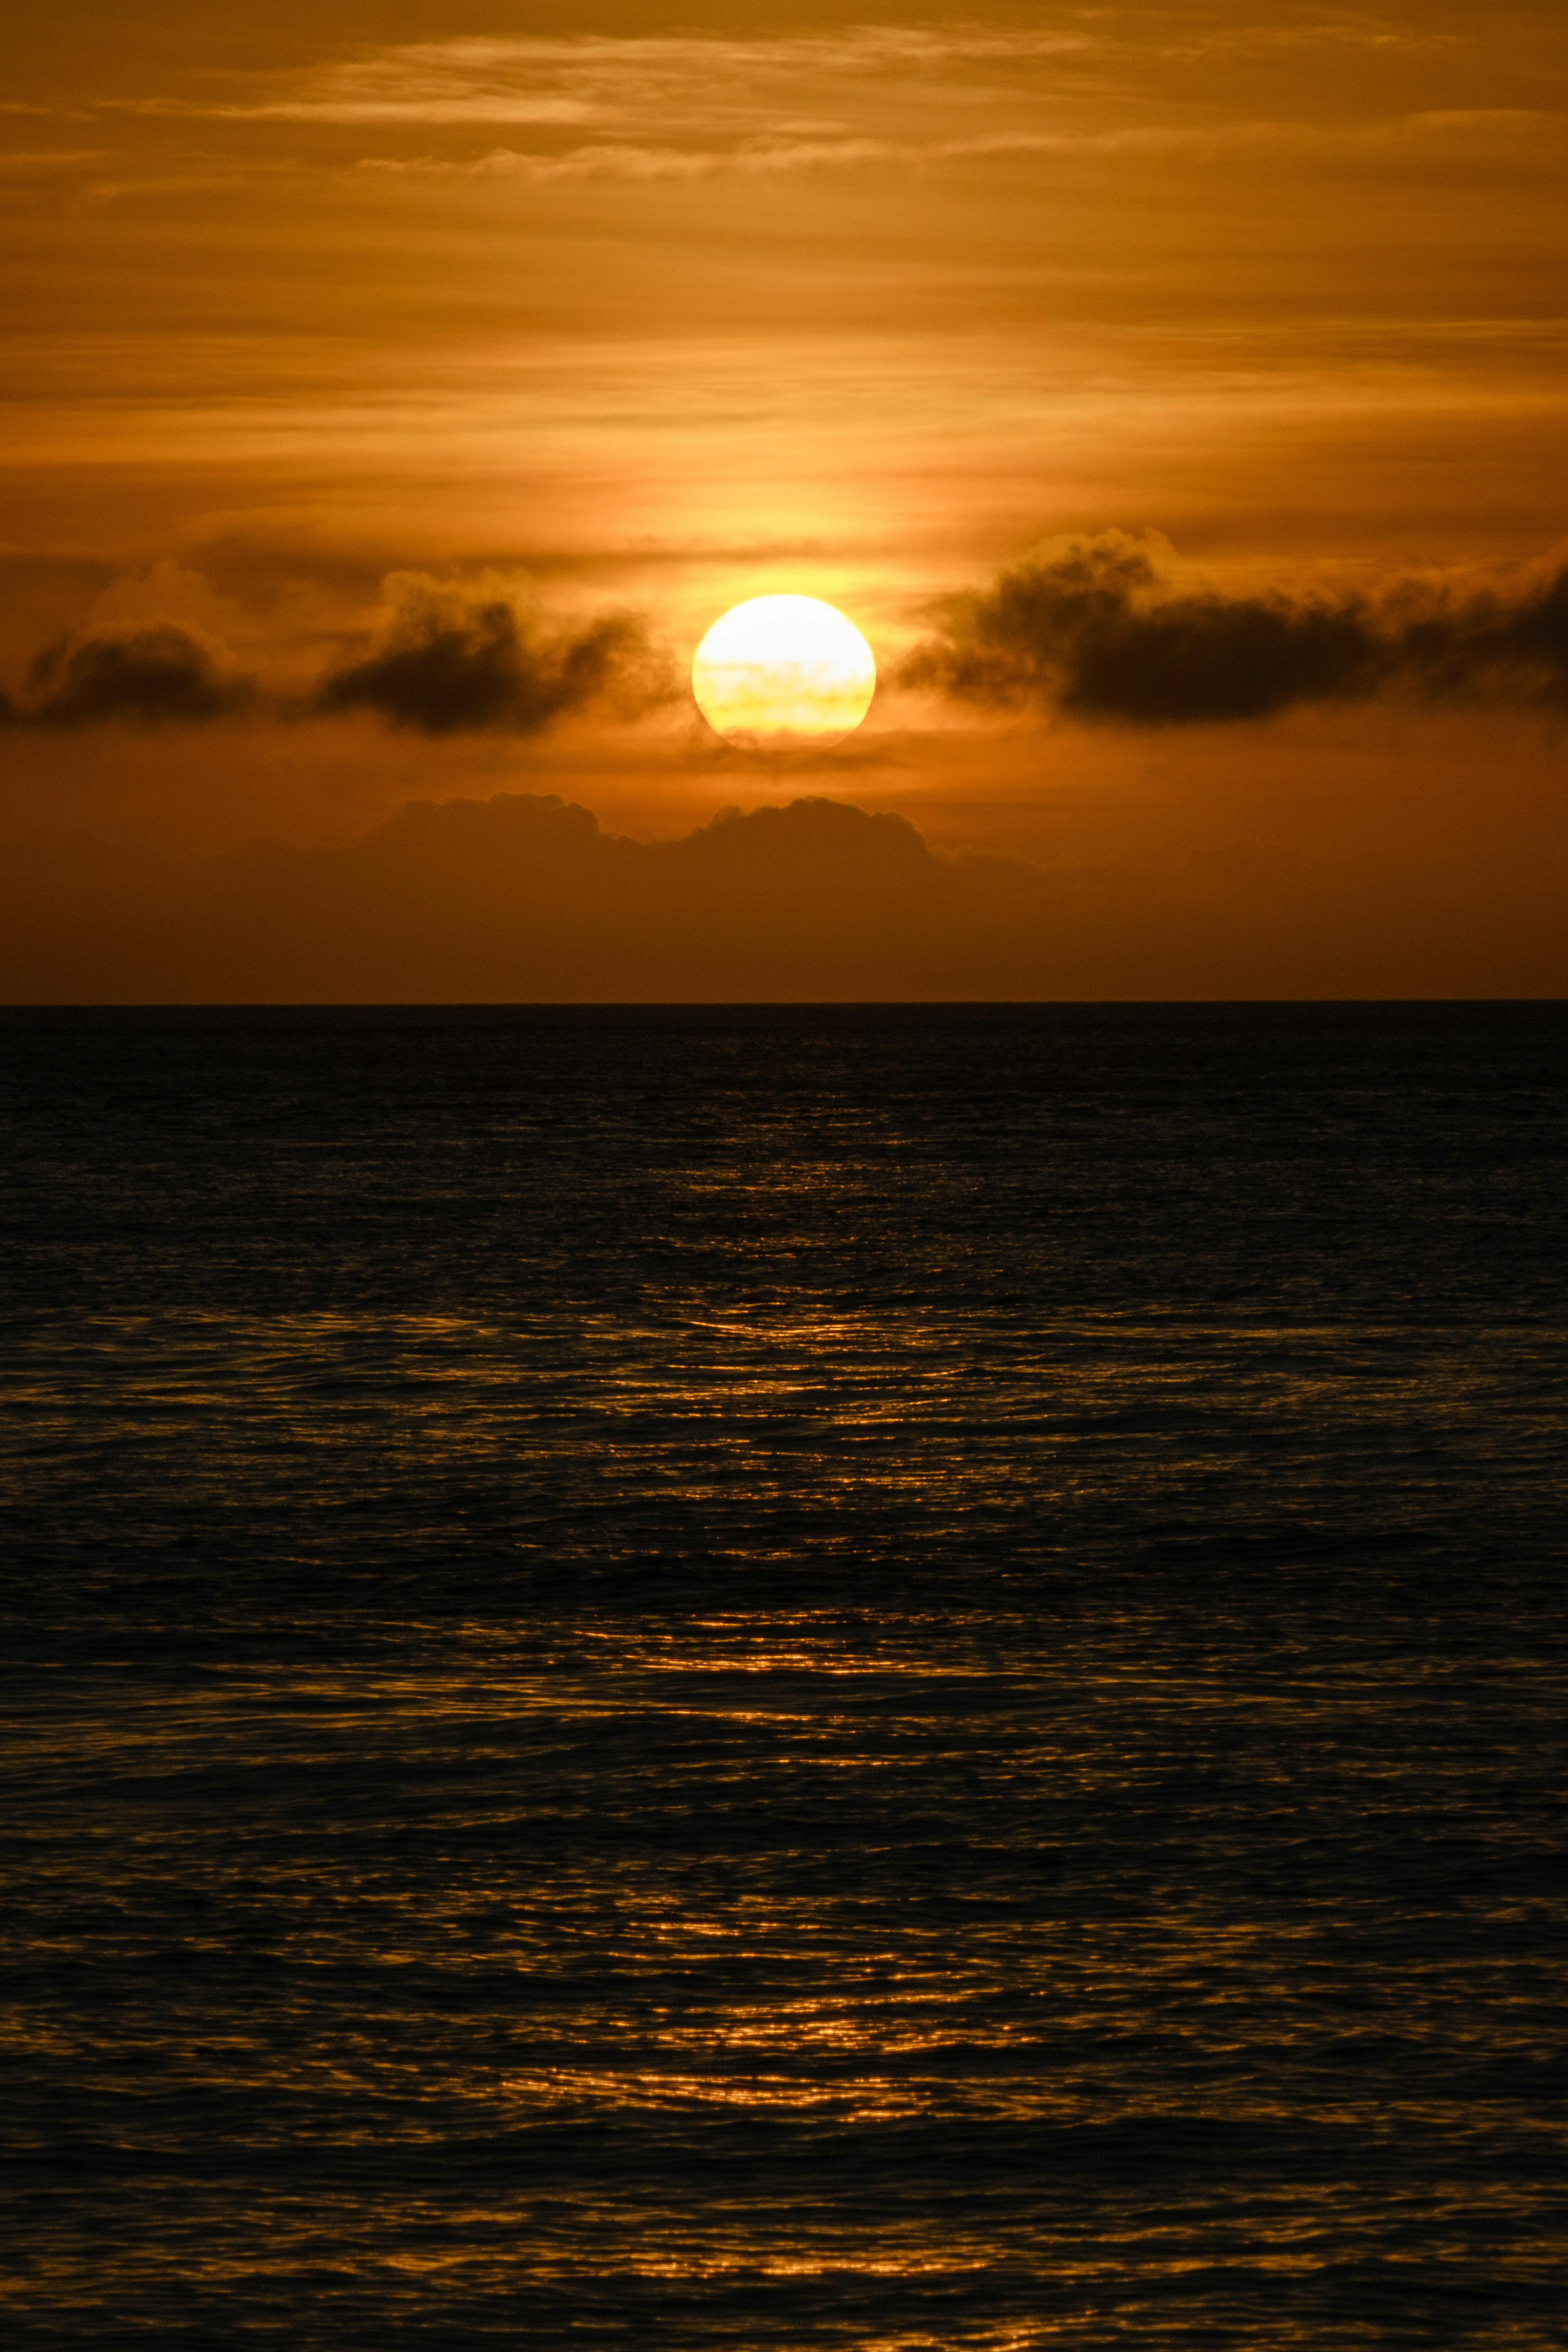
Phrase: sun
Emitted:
{"points": [[784, 674]]}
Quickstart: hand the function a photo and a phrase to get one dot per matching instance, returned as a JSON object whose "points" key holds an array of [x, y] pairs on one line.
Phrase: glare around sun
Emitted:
{"points": [[784, 673]]}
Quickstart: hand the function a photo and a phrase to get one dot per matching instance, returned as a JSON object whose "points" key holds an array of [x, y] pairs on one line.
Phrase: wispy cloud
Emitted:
{"points": [[695, 106], [693, 80], [1516, 132], [39, 161], [688, 79], [759, 158]]}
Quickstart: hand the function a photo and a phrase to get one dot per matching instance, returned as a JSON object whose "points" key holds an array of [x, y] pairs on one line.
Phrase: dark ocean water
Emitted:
{"points": [[874, 1677]]}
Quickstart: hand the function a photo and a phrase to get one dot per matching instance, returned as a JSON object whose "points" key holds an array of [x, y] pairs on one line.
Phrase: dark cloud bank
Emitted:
{"points": [[1096, 628], [519, 898], [164, 675], [448, 663], [525, 899]]}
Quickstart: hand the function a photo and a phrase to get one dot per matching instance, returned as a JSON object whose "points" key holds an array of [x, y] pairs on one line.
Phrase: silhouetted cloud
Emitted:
{"points": [[1100, 628], [526, 895], [149, 676], [525, 899], [452, 658], [1489, 643], [812, 832], [452, 662], [1097, 628]]}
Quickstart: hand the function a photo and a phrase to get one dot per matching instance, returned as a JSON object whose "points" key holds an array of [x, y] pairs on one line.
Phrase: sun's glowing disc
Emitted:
{"points": [[784, 674]]}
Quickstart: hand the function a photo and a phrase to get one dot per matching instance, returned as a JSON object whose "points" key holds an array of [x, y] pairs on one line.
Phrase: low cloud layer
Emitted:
{"points": [[524, 897], [1100, 629], [527, 898]]}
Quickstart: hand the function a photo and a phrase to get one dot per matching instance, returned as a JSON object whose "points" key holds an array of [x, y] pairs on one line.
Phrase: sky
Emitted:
{"points": [[394, 394]]}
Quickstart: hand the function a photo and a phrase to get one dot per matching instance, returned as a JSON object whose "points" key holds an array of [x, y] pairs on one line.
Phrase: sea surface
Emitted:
{"points": [[865, 1677]]}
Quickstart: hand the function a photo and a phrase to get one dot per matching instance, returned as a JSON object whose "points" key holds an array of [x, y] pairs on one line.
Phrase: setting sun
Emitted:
{"points": [[784, 673]]}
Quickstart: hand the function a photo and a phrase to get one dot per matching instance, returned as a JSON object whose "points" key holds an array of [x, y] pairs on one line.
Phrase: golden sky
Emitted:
{"points": [[1174, 397]]}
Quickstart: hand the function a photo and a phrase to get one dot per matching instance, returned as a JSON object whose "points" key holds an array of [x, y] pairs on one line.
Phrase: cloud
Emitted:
{"points": [[1494, 140], [1100, 628], [527, 899], [453, 660], [41, 161], [707, 78], [1489, 643], [689, 107], [751, 158], [679, 85], [161, 674], [806, 835], [766, 156], [526, 896]]}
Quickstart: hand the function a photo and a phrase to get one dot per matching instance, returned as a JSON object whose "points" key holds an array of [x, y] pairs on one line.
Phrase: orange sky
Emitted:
{"points": [[331, 332]]}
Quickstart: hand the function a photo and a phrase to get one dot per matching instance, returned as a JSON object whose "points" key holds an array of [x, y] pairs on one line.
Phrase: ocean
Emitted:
{"points": [[871, 1676]]}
